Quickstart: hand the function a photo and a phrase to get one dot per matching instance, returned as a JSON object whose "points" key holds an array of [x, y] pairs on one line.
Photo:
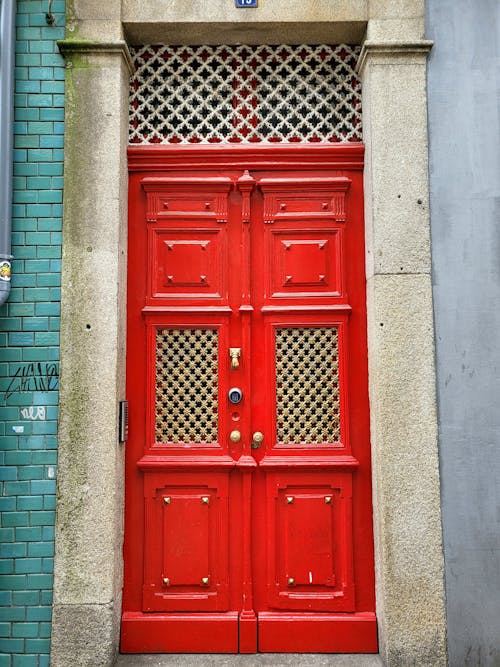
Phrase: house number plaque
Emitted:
{"points": [[244, 4]]}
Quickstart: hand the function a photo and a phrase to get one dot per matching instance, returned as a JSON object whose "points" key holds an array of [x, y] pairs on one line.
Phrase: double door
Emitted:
{"points": [[248, 512]]}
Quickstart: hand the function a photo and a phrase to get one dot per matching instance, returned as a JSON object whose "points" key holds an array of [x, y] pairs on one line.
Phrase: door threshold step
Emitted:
{"points": [[253, 660]]}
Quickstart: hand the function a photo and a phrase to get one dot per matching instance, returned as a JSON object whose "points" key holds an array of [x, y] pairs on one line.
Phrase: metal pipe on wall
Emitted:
{"points": [[7, 62]]}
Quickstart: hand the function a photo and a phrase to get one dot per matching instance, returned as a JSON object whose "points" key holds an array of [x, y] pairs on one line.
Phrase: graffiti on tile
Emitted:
{"points": [[34, 377]]}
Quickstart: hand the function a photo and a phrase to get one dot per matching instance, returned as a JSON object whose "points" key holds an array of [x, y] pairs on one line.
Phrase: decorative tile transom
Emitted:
{"points": [[307, 386], [186, 386], [245, 94]]}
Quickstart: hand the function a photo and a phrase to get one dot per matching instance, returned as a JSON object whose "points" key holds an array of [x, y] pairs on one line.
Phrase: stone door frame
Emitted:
{"points": [[406, 488]]}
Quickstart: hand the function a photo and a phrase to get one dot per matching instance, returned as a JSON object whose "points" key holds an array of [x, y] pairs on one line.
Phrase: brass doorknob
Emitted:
{"points": [[235, 436], [257, 439]]}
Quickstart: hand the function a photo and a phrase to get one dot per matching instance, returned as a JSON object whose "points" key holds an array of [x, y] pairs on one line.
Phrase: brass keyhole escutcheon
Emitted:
{"points": [[257, 439], [235, 436]]}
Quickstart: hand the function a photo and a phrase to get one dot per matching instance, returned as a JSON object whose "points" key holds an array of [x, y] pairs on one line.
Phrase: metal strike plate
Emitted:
{"points": [[123, 421]]}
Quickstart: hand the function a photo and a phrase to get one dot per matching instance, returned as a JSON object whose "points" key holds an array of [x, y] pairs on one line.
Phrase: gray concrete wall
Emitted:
{"points": [[463, 93]]}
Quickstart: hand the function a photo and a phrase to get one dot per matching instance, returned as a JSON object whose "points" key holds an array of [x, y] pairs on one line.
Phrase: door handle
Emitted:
{"points": [[257, 439]]}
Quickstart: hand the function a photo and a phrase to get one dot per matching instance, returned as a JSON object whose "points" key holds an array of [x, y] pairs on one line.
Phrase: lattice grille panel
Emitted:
{"points": [[186, 386], [247, 94], [307, 385]]}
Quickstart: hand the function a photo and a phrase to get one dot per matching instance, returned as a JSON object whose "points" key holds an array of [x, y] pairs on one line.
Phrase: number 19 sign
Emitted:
{"points": [[243, 4]]}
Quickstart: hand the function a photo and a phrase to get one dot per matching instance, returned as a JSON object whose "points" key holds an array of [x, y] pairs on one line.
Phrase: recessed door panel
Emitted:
{"points": [[304, 263], [314, 198], [248, 516], [186, 198], [186, 533], [186, 222], [188, 263], [312, 537], [186, 543]]}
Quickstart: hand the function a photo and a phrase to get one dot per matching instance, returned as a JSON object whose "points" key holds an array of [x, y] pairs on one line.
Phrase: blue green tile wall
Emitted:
{"points": [[29, 343]]}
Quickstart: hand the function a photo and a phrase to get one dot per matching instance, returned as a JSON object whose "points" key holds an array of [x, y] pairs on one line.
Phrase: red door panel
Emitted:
{"points": [[188, 263], [304, 263], [310, 551], [248, 511], [186, 539], [317, 633], [187, 254]]}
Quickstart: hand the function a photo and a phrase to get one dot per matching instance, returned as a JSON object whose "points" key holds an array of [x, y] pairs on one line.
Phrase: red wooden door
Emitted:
{"points": [[248, 510]]}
